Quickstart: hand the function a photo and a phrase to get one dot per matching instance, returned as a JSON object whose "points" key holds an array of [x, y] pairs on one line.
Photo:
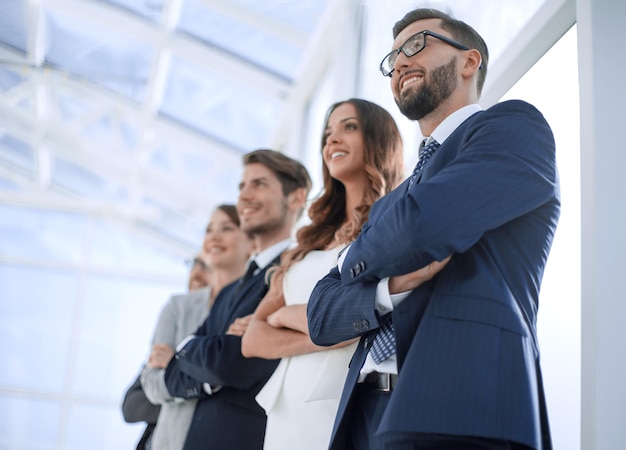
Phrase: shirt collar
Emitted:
{"points": [[452, 122], [269, 254]]}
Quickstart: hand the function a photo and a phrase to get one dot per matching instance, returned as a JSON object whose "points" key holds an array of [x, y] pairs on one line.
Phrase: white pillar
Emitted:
{"points": [[602, 71]]}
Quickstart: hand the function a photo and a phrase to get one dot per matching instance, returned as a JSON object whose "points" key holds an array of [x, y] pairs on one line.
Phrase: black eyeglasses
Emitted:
{"points": [[197, 262], [411, 47]]}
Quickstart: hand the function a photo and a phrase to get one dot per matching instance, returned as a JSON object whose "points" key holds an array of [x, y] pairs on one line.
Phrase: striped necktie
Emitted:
{"points": [[384, 344], [425, 155]]}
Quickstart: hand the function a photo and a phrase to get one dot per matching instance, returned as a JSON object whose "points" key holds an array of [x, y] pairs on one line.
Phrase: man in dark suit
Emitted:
{"points": [[209, 365], [442, 285]]}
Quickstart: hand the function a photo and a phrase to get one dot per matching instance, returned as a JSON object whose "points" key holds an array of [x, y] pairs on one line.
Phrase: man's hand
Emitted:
{"points": [[410, 281], [239, 326], [160, 356]]}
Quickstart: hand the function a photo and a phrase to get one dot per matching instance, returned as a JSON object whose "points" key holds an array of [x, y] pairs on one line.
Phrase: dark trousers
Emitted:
{"points": [[368, 408], [146, 438]]}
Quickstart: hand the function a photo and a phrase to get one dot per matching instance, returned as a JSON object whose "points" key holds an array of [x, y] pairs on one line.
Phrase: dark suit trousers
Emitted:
{"points": [[368, 408]]}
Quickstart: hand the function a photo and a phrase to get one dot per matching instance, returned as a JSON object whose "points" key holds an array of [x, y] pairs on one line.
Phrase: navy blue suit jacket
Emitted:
{"points": [[466, 340], [231, 417]]}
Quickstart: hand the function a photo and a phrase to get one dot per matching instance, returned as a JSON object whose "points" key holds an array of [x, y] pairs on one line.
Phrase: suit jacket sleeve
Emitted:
{"points": [[152, 380], [136, 407], [153, 383], [332, 321], [501, 167], [214, 357]]}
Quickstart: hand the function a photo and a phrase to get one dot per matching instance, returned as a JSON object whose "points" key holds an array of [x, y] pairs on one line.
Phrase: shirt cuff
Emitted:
{"points": [[385, 302], [184, 342], [383, 298], [342, 257], [210, 389]]}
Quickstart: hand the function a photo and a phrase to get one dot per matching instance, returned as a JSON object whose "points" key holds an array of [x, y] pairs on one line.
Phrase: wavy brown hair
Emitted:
{"points": [[384, 165]]}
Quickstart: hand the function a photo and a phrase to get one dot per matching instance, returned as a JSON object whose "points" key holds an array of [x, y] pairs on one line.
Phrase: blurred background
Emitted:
{"points": [[123, 124]]}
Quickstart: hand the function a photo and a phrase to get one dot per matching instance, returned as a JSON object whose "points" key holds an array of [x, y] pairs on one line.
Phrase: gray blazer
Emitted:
{"points": [[179, 318]]}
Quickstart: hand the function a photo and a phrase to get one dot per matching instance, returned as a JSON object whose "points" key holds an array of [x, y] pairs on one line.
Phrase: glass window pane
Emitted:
{"points": [[252, 44], [303, 15], [13, 24], [29, 423], [117, 320], [100, 428], [17, 154], [217, 106], [71, 106], [69, 175], [197, 166], [36, 314], [9, 79], [42, 234], [152, 9], [8, 185], [119, 248], [88, 50], [77, 179]]}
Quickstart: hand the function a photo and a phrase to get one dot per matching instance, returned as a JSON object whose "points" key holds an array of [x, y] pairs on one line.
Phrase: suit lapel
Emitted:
{"points": [[245, 294]]}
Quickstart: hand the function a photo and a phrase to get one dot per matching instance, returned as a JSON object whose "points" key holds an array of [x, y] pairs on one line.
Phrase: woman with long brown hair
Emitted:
{"points": [[362, 161]]}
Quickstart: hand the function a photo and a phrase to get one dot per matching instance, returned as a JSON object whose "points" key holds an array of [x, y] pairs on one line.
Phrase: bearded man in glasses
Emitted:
{"points": [[443, 283]]}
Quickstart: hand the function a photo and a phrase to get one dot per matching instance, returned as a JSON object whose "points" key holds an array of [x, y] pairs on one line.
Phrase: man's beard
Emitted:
{"points": [[435, 88], [270, 225]]}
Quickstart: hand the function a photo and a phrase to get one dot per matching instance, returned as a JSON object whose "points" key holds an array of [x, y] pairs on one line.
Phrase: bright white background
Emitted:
{"points": [[552, 86]]}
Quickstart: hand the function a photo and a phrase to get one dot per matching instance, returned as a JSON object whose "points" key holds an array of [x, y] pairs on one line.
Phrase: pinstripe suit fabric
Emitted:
{"points": [[466, 340]]}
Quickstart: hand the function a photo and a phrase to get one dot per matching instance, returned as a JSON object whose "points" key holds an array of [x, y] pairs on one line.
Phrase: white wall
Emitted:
{"points": [[602, 69]]}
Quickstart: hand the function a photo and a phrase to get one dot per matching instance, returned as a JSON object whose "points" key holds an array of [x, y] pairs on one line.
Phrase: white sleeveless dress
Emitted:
{"points": [[302, 396]]}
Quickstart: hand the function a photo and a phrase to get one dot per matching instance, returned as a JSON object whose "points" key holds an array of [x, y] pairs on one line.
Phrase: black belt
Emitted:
{"points": [[381, 381]]}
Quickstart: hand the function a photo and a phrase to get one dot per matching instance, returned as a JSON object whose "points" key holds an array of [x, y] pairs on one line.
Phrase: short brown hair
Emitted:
{"points": [[291, 173]]}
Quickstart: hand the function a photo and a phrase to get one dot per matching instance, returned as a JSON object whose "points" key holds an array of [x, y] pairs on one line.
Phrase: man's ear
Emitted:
{"points": [[297, 199], [473, 62]]}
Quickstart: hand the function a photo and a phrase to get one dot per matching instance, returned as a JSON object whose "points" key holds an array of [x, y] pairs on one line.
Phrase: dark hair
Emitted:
{"points": [[384, 165], [459, 30], [291, 173], [230, 211]]}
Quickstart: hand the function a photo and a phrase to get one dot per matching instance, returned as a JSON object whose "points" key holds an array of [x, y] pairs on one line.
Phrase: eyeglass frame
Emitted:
{"points": [[192, 262], [397, 51]]}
